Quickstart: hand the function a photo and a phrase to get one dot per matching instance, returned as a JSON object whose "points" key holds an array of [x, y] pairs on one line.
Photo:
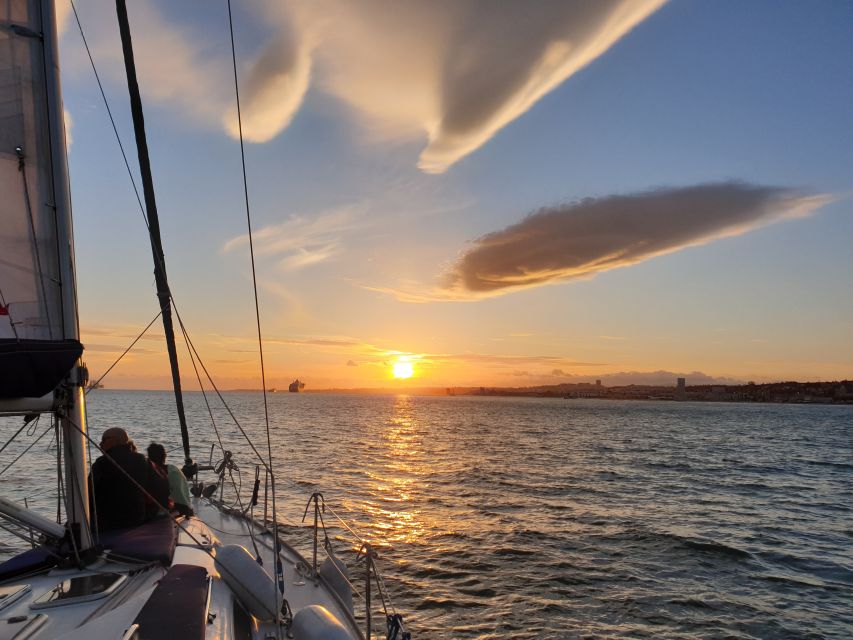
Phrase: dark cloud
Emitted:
{"points": [[580, 239], [352, 363]]}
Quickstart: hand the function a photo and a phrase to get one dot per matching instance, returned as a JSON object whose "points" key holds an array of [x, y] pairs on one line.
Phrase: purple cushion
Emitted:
{"points": [[28, 562], [153, 541], [177, 608]]}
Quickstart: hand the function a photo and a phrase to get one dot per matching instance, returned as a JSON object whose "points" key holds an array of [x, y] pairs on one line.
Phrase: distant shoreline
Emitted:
{"points": [[835, 392]]}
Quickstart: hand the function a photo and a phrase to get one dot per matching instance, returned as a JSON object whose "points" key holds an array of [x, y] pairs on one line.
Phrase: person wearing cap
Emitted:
{"points": [[117, 502]]}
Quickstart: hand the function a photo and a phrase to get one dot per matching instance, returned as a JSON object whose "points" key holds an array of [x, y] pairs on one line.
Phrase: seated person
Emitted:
{"points": [[177, 483], [117, 501], [159, 482]]}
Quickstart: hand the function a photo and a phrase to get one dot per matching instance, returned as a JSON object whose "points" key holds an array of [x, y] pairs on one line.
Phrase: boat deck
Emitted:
{"points": [[186, 597]]}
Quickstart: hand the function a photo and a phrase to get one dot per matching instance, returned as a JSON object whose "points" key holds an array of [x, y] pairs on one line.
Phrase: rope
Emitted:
{"points": [[200, 384], [218, 392], [94, 497], [380, 580], [251, 251], [147, 225], [9, 441], [124, 353], [279, 571], [59, 492], [24, 452], [268, 464], [109, 112]]}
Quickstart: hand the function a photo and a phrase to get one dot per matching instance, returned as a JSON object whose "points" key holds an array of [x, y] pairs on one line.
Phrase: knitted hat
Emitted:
{"points": [[114, 437]]}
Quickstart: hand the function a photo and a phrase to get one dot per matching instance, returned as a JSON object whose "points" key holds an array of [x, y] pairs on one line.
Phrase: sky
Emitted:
{"points": [[498, 194]]}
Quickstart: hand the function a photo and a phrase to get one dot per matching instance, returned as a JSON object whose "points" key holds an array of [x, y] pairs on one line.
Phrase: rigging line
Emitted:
{"points": [[251, 244], [278, 569], [218, 392], [24, 452], [18, 534], [34, 425], [142, 208], [346, 526], [87, 525], [93, 498], [59, 492], [160, 277], [132, 344], [200, 385], [22, 167], [210, 411], [17, 433], [147, 225], [109, 112]]}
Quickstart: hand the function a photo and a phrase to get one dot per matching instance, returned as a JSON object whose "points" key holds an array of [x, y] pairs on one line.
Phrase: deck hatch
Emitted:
{"points": [[80, 589]]}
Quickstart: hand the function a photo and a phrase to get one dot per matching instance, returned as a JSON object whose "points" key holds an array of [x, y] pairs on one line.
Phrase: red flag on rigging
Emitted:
{"points": [[4, 311]]}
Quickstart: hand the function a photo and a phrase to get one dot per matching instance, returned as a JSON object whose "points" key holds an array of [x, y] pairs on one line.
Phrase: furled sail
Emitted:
{"points": [[37, 347]]}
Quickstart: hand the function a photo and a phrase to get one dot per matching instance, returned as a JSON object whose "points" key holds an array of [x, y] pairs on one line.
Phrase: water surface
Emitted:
{"points": [[547, 518]]}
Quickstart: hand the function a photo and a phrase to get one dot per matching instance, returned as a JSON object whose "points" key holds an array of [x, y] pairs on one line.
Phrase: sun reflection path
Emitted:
{"points": [[393, 477]]}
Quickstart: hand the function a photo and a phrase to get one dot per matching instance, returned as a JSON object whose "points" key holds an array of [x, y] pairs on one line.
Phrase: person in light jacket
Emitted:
{"points": [[178, 491]]}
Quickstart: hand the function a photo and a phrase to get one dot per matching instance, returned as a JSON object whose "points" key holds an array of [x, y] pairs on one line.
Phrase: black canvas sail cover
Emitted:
{"points": [[36, 350]]}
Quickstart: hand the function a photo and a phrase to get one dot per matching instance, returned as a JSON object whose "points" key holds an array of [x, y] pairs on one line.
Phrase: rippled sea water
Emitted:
{"points": [[547, 518]]}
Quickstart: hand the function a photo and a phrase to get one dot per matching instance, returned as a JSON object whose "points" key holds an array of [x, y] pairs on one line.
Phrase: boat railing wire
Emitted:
{"points": [[308, 535]]}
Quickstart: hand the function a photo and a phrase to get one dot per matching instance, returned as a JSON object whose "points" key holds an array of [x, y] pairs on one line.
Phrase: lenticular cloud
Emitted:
{"points": [[456, 71], [581, 239], [450, 72]]}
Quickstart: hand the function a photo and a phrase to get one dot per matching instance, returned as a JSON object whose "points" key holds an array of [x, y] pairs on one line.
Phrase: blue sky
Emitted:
{"points": [[693, 93]]}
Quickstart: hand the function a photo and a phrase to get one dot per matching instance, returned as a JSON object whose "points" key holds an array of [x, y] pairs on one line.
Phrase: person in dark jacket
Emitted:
{"points": [[117, 501]]}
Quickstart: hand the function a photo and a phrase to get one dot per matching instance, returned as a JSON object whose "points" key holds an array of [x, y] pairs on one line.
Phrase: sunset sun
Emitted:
{"points": [[403, 369]]}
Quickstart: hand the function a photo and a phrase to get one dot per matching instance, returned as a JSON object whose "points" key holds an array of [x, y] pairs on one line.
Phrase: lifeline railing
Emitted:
{"points": [[365, 552], [395, 629]]}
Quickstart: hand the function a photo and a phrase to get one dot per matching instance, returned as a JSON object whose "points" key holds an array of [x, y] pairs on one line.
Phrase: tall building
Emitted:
{"points": [[680, 385]]}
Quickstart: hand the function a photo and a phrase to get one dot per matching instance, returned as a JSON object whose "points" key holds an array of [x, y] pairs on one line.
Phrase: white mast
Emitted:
{"points": [[73, 416]]}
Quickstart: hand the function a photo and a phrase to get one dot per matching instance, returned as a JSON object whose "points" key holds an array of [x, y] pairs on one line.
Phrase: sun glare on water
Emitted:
{"points": [[403, 369]]}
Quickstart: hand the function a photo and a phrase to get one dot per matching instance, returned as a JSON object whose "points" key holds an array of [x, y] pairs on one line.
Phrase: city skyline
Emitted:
{"points": [[469, 197]]}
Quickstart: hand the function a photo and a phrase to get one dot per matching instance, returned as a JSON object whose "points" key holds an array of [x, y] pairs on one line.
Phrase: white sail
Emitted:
{"points": [[34, 252]]}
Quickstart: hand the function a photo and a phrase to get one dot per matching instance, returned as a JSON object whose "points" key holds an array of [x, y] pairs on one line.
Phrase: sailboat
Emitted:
{"points": [[220, 573]]}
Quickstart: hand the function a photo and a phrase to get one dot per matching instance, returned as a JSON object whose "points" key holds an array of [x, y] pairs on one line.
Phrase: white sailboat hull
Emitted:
{"points": [[117, 614]]}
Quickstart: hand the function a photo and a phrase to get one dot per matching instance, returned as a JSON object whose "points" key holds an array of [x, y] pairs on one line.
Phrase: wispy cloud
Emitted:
{"points": [[176, 65], [302, 241], [579, 240], [360, 352]]}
